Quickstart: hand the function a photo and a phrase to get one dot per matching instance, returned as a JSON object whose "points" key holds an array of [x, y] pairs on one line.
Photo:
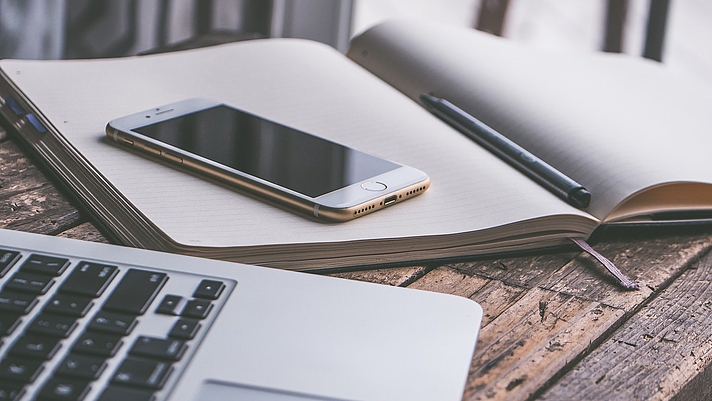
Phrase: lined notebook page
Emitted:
{"points": [[302, 84], [615, 123]]}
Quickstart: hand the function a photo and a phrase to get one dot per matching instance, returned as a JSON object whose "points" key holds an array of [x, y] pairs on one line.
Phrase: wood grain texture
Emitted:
{"points": [[545, 313], [698, 388], [17, 173], [28, 201], [523, 271], [657, 352], [527, 334], [399, 276], [85, 232], [493, 295], [532, 341], [652, 261], [523, 329]]}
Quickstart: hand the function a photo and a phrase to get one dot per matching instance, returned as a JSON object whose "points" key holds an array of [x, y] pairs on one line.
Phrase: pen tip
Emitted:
{"points": [[580, 197], [425, 97]]}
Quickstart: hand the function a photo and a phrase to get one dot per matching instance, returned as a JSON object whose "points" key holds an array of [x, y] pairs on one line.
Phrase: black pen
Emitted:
{"points": [[545, 175]]}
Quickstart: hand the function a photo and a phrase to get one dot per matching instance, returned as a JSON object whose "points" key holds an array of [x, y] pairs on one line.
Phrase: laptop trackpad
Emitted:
{"points": [[218, 391]]}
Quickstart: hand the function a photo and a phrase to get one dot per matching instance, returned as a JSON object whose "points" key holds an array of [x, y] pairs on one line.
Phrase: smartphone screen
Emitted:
{"points": [[281, 155]]}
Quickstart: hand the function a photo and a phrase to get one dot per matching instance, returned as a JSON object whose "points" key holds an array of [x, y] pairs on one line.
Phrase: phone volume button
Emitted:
{"points": [[152, 150], [173, 158]]}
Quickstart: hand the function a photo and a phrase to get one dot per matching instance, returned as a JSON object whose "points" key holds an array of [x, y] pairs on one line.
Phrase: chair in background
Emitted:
{"points": [[492, 13], [100, 28]]}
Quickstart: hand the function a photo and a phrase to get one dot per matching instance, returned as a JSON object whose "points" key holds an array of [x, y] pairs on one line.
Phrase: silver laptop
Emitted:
{"points": [[87, 321]]}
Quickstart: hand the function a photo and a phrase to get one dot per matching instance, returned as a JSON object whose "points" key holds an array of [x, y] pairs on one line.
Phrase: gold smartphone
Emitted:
{"points": [[307, 173]]}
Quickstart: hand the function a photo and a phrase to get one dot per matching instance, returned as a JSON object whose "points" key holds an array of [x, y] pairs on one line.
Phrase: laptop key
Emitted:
{"points": [[69, 304], [158, 348], [11, 391], [20, 370], [90, 279], [170, 305], [29, 282], [7, 260], [36, 347], [135, 291], [197, 309], [142, 373], [209, 289], [53, 325], [8, 323], [17, 302], [43, 264], [98, 344], [81, 366], [112, 322], [185, 329], [55, 345], [64, 389]]}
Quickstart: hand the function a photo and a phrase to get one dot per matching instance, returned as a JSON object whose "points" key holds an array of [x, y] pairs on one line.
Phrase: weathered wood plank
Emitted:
{"points": [[450, 281], [698, 388], [493, 295], [514, 348], [527, 335], [17, 173], [85, 232], [532, 341], [496, 284], [516, 358], [652, 261], [524, 271], [496, 297], [657, 352], [42, 211], [28, 201], [399, 276]]}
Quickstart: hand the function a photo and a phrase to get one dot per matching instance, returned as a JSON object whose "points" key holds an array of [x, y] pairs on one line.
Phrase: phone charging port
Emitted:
{"points": [[390, 200]]}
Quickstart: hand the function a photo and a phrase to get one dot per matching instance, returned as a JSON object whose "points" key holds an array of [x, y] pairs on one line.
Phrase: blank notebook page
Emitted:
{"points": [[298, 83]]}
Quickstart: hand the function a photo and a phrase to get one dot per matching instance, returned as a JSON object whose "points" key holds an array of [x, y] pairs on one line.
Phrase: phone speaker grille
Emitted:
{"points": [[364, 209], [414, 191]]}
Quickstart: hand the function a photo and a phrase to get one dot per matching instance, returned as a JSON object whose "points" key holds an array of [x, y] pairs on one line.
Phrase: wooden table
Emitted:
{"points": [[556, 327]]}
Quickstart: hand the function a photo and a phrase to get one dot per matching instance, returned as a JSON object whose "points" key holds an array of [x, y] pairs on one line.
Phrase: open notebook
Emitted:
{"points": [[627, 128], [617, 125]]}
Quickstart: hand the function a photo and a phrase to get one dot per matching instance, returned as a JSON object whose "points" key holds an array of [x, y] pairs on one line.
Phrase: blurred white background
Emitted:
{"points": [[572, 25], [101, 28]]}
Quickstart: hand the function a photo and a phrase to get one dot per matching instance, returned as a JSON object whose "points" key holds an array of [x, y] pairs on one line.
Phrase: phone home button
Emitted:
{"points": [[373, 186]]}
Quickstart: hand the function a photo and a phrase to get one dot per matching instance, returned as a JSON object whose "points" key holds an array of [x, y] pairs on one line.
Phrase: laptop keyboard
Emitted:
{"points": [[77, 329]]}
